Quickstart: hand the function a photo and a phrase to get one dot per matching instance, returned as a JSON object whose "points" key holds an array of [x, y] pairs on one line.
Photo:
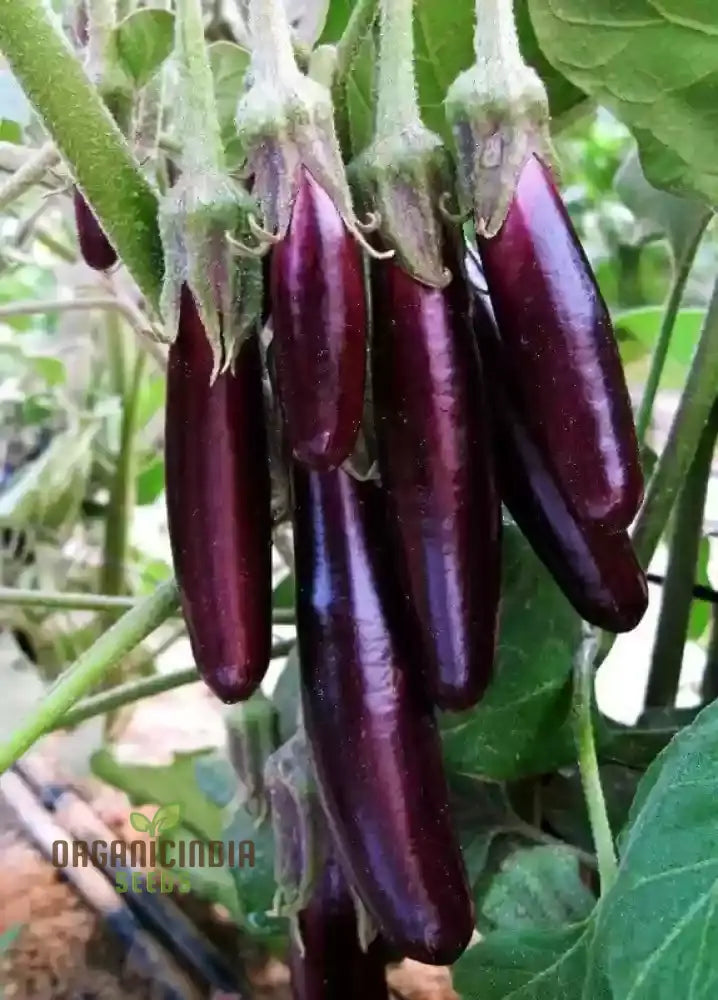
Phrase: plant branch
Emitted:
{"points": [[360, 22], [677, 597], [29, 174], [87, 137], [698, 396], [397, 105], [583, 671], [682, 271], [54, 600], [119, 511], [90, 668], [145, 687]]}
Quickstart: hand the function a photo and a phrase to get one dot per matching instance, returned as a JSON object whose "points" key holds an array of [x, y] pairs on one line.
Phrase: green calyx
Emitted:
{"points": [[402, 178], [203, 220], [499, 115]]}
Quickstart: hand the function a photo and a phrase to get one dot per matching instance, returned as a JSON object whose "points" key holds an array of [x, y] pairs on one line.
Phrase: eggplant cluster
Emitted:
{"points": [[503, 385]]}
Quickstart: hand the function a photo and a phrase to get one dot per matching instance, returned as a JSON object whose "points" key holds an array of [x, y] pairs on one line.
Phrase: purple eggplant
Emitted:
{"points": [[218, 505], [319, 319], [596, 569], [561, 356], [97, 251], [435, 459], [329, 964], [374, 739]]}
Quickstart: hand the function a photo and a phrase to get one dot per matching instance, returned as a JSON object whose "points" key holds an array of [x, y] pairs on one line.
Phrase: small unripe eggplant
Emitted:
{"points": [[596, 569], [218, 505], [561, 356], [97, 251], [319, 321], [327, 962], [435, 458], [373, 735]]}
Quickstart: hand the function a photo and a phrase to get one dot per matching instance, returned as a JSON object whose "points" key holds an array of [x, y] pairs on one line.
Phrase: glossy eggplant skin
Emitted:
{"points": [[97, 251], [333, 965], [561, 354], [319, 317], [218, 505], [596, 569], [374, 739], [434, 445]]}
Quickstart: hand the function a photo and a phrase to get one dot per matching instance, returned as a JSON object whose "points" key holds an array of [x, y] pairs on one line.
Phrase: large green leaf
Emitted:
{"points": [[655, 65], [521, 727], [162, 785], [532, 965], [537, 888], [637, 330], [143, 40], [657, 929]]}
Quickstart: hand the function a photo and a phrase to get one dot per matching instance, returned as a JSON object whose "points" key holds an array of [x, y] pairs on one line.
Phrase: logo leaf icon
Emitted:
{"points": [[139, 822], [166, 818]]}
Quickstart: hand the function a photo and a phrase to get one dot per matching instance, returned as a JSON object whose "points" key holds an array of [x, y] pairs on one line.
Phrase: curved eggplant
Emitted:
{"points": [[330, 964], [218, 505], [596, 569], [319, 318], [97, 251], [561, 356], [434, 446], [373, 735]]}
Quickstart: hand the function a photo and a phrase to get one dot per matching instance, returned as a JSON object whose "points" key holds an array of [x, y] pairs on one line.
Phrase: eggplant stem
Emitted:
{"points": [[582, 704]]}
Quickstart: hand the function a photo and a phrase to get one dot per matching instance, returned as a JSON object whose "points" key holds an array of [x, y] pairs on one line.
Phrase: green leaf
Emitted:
{"points": [[150, 482], [213, 884], [255, 883], [139, 822], [657, 929], [537, 888], [143, 40], [532, 965], [216, 778], [167, 818], [661, 212], [640, 327], [481, 812], [168, 784], [48, 491], [521, 726], [655, 66], [229, 63], [284, 593], [563, 802]]}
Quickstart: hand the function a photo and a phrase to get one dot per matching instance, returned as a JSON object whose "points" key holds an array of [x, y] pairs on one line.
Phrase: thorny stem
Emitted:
{"points": [[698, 396], [660, 353], [583, 671], [202, 148], [145, 687], [86, 136], [677, 597], [29, 174], [90, 668], [397, 105]]}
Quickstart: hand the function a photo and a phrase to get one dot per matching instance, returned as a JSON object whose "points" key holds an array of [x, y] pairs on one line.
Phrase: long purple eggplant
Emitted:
{"points": [[596, 569], [97, 251], [561, 355], [373, 736], [319, 318], [218, 505], [332, 965], [435, 459]]}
